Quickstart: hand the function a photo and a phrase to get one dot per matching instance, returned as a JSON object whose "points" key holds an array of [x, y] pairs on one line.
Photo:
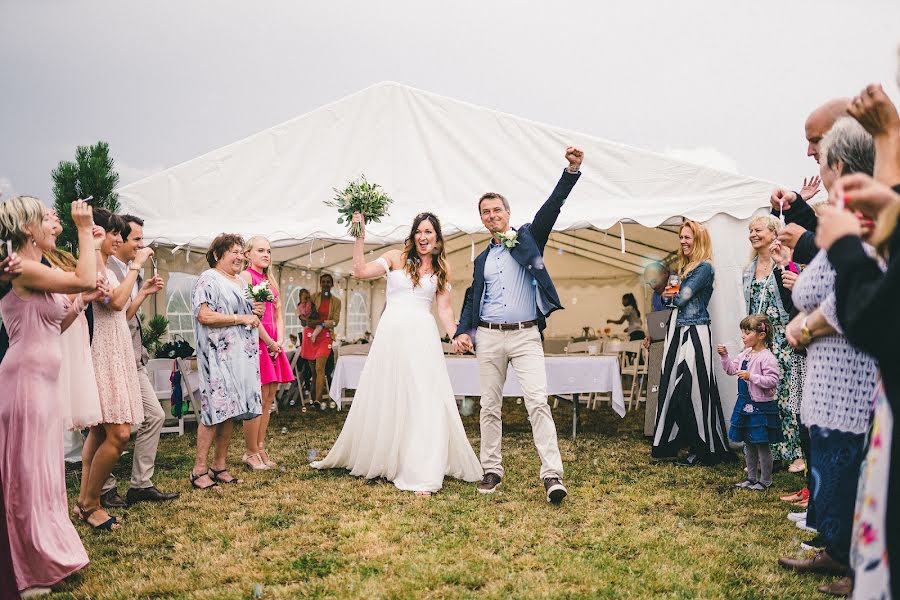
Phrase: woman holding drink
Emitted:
{"points": [[690, 412]]}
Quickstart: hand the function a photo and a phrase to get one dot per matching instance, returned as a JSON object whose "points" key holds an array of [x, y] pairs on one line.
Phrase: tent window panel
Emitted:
{"points": [[357, 316], [289, 308], [178, 306]]}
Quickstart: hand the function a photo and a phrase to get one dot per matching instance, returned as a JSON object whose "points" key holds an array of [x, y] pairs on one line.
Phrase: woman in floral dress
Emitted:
{"points": [[227, 357], [765, 294]]}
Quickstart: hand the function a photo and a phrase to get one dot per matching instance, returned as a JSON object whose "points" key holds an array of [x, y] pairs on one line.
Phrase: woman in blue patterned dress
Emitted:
{"points": [[765, 294], [227, 345]]}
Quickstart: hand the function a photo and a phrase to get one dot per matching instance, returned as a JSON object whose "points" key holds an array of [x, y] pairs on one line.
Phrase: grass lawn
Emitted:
{"points": [[629, 528]]}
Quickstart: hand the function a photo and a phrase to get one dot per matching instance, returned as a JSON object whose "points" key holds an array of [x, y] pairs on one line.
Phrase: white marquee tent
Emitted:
{"points": [[434, 153]]}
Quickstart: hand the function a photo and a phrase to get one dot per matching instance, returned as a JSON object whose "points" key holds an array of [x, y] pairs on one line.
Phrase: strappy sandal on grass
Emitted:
{"points": [[217, 475], [111, 524], [195, 477]]}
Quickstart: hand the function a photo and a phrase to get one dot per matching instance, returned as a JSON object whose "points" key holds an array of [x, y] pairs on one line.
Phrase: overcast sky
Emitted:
{"points": [[727, 84]]}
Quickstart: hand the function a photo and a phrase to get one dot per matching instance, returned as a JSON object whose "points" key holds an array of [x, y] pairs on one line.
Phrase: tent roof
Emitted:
{"points": [[431, 153]]}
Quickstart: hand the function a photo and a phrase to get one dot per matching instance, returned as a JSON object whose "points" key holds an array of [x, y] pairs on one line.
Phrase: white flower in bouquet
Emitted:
{"points": [[260, 292], [362, 197]]}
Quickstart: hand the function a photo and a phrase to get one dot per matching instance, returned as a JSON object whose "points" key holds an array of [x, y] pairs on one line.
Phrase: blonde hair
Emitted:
{"points": [[702, 251], [15, 214], [248, 246], [772, 224], [61, 259]]}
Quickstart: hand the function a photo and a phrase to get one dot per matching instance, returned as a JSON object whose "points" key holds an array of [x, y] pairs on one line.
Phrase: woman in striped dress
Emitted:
{"points": [[690, 411]]}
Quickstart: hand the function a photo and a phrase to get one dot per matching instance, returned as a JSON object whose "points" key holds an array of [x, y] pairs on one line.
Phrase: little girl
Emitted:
{"points": [[755, 420], [307, 310]]}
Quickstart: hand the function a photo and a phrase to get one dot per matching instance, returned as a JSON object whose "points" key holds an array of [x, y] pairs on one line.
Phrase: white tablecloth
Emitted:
{"points": [[565, 375]]}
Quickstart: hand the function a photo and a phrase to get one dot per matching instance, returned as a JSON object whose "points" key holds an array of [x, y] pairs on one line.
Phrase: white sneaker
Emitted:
{"points": [[796, 517], [802, 525]]}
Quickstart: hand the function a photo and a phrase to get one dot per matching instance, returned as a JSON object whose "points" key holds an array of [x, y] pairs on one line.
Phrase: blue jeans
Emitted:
{"points": [[836, 459]]}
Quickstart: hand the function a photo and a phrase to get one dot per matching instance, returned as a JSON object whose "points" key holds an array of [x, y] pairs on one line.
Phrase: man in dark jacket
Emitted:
{"points": [[512, 296]]}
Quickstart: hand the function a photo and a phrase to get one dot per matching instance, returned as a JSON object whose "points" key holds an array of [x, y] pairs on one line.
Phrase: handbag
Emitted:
{"points": [[177, 347]]}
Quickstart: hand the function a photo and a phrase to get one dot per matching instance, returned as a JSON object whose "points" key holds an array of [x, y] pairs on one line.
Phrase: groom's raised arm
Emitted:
{"points": [[546, 216]]}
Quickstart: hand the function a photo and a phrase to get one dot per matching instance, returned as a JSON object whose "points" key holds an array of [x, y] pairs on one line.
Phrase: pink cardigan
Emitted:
{"points": [[764, 373]]}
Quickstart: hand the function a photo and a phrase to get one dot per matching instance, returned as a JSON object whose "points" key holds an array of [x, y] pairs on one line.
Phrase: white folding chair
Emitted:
{"points": [[160, 370], [186, 366]]}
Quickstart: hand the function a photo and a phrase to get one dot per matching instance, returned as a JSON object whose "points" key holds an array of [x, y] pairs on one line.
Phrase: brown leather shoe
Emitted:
{"points": [[841, 587], [112, 499], [820, 563], [489, 483]]}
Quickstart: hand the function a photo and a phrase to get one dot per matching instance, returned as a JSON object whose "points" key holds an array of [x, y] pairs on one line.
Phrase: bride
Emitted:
{"points": [[403, 424]]}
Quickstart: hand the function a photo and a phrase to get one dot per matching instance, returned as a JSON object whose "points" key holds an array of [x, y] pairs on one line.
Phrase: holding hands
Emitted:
{"points": [[463, 343]]}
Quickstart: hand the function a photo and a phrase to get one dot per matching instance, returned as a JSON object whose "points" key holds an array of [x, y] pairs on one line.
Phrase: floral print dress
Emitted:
{"points": [[762, 295], [227, 357]]}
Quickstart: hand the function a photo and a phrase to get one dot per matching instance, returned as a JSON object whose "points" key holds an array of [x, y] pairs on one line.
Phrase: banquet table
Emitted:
{"points": [[566, 375]]}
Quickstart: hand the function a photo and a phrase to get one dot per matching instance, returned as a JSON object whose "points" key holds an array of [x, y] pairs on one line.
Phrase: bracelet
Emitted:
{"points": [[138, 269], [235, 319]]}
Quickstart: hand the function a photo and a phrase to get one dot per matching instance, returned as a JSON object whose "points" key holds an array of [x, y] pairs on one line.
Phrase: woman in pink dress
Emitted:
{"points": [[117, 379], [44, 545], [274, 368]]}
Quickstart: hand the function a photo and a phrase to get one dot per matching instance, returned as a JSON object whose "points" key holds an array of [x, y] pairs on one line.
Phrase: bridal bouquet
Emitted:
{"points": [[362, 197], [260, 292]]}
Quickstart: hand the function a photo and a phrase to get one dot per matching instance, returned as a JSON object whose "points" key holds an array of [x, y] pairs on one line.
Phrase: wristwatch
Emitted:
{"points": [[806, 335]]}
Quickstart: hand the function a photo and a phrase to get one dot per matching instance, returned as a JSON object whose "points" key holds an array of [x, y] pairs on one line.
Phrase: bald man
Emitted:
{"points": [[801, 220]]}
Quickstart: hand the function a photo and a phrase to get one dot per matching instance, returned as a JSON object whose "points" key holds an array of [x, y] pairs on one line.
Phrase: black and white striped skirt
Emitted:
{"points": [[690, 411]]}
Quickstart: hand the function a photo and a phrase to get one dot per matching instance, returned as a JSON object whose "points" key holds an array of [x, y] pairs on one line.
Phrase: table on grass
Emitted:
{"points": [[566, 376]]}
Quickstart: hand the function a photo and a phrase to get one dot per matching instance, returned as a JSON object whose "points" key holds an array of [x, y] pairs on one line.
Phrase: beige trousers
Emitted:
{"points": [[523, 349], [146, 440]]}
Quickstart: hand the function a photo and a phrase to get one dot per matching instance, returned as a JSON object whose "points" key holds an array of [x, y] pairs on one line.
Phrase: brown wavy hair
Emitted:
{"points": [[759, 324], [438, 257]]}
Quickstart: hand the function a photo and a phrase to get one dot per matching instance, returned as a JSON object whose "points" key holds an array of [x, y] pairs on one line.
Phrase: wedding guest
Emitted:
{"points": [[754, 420], [10, 268], [117, 379], [316, 352], [656, 275], [840, 380], [44, 546], [632, 314], [225, 324], [307, 310], [146, 441], [274, 368], [77, 382], [682, 419], [866, 307], [765, 294]]}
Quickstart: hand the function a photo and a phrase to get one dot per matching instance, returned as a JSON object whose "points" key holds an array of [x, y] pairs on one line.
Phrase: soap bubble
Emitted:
{"points": [[291, 279], [560, 251], [311, 454], [284, 430], [574, 300]]}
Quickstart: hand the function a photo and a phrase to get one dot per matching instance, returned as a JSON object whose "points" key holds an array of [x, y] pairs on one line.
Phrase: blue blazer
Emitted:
{"points": [[529, 253]]}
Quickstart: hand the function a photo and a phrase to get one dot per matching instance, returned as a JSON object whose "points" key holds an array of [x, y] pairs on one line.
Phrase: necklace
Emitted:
{"points": [[231, 277]]}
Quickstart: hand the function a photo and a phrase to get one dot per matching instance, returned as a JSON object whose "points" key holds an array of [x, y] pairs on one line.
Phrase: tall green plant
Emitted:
{"points": [[91, 174], [153, 332]]}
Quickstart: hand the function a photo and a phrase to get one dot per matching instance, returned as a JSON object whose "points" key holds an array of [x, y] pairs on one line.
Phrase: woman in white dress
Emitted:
{"points": [[403, 424]]}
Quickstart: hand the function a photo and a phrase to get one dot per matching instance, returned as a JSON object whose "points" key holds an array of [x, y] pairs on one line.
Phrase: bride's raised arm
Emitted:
{"points": [[376, 268]]}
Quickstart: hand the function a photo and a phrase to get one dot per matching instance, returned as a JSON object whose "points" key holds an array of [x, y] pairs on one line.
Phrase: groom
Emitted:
{"points": [[512, 296]]}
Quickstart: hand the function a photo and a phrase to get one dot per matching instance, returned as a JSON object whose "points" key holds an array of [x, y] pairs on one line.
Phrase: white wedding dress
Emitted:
{"points": [[403, 424]]}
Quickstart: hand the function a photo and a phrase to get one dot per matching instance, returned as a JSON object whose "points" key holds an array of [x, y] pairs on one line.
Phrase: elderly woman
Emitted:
{"points": [[227, 357], [765, 294], [840, 379]]}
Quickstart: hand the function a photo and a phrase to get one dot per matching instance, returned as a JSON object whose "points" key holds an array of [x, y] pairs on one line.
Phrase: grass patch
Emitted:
{"points": [[630, 528]]}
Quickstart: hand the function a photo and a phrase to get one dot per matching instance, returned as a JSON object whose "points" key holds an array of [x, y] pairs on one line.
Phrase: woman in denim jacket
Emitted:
{"points": [[690, 411]]}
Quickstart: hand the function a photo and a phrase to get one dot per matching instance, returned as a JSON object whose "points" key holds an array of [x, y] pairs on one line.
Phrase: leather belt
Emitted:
{"points": [[508, 326]]}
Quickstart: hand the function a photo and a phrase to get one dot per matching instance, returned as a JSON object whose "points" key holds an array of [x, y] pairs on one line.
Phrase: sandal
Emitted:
{"points": [[111, 524], [195, 477], [254, 462], [217, 475], [264, 456]]}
